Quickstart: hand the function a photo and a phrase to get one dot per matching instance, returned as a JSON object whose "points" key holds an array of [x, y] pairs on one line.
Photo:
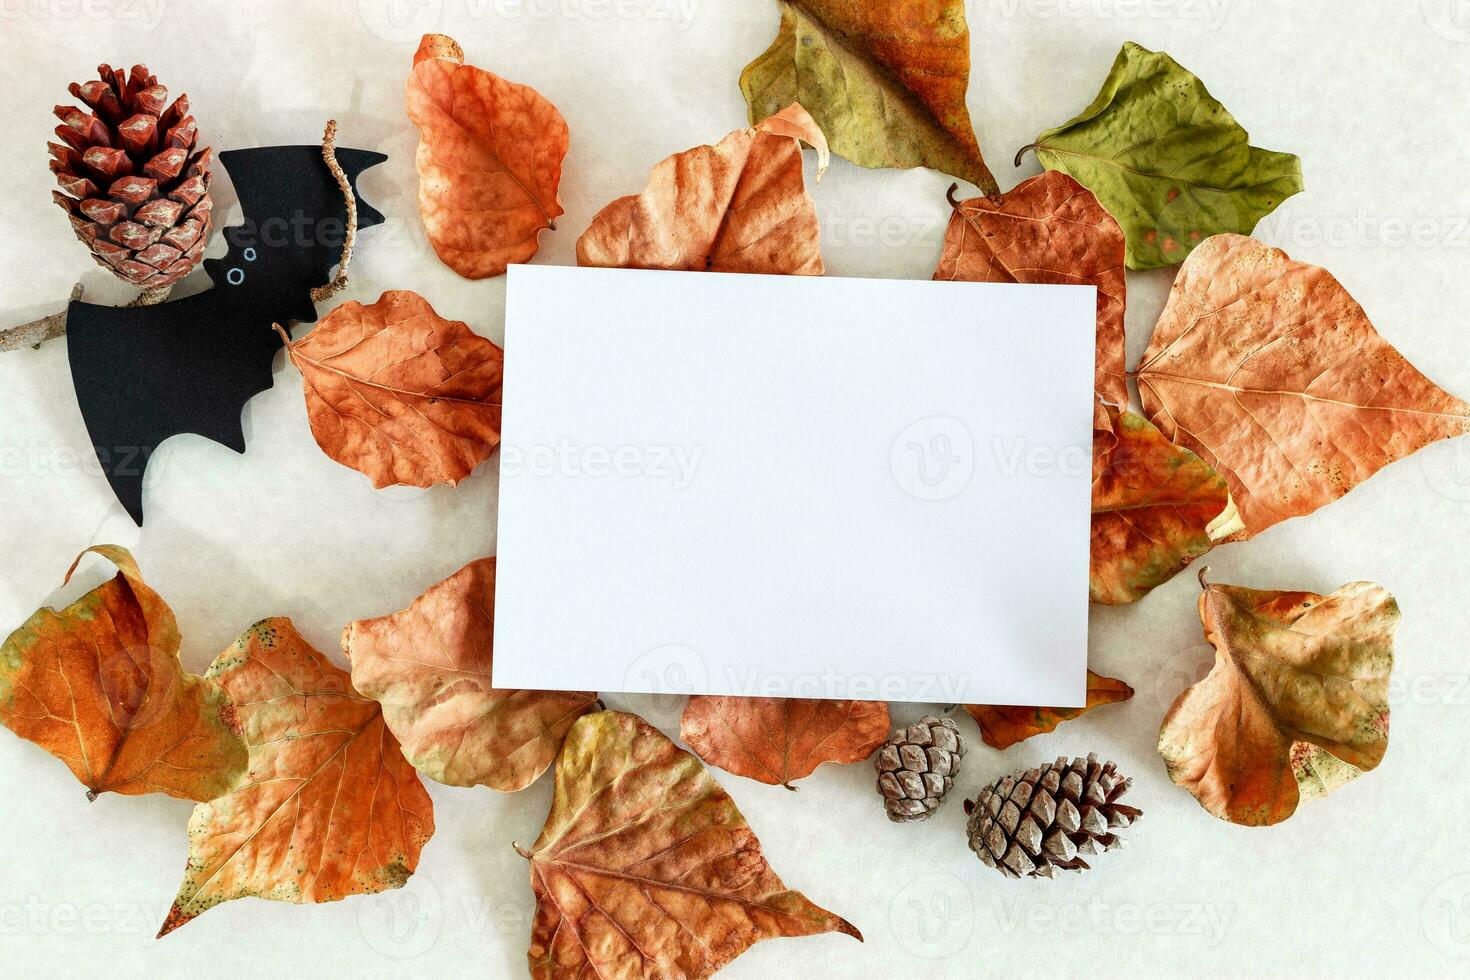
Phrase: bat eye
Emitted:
{"points": [[235, 276], [250, 255]]}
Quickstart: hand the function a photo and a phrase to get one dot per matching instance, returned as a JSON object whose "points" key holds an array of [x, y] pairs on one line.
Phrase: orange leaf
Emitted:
{"points": [[429, 667], [646, 868], [400, 394], [489, 160], [1271, 372], [330, 808], [780, 740], [1296, 705], [99, 686], [1155, 507], [1049, 229], [740, 206], [1002, 726]]}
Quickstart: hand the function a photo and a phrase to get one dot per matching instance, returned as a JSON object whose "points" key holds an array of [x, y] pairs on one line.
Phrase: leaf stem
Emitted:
{"points": [[1022, 151]]}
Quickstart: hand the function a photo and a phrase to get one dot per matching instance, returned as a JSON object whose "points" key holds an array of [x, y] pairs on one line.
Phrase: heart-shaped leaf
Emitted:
{"points": [[429, 667], [781, 740], [885, 81], [489, 160], [400, 394], [1296, 705], [1003, 725], [99, 686], [330, 808], [1049, 229], [1272, 373], [1167, 160], [646, 868], [739, 206]]}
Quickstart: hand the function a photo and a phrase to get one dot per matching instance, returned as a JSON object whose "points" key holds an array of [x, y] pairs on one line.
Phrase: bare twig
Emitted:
{"points": [[37, 332], [329, 154]]}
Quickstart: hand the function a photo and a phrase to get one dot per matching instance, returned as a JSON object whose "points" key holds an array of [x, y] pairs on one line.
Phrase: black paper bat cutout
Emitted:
{"points": [[143, 374]]}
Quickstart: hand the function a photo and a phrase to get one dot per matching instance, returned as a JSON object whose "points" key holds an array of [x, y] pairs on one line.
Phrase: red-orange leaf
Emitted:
{"points": [[1049, 229], [1002, 725], [99, 686], [646, 868], [740, 206], [330, 808], [400, 394], [489, 160], [780, 740]]}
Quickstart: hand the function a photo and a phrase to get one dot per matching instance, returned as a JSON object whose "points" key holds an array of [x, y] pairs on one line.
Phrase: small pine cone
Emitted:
{"points": [[917, 766], [1032, 823], [136, 183]]}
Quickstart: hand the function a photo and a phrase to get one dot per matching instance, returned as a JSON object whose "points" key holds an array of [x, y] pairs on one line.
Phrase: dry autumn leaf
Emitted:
{"points": [[646, 868], [1049, 229], [429, 667], [739, 206], [781, 740], [885, 81], [1155, 508], [1296, 705], [489, 160], [1272, 373], [99, 686], [330, 807], [398, 393], [1003, 725]]}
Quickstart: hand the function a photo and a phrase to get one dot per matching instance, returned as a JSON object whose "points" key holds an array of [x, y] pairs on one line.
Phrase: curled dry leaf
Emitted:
{"points": [[1272, 373], [781, 740], [739, 206], [1167, 159], [886, 81], [1049, 229], [1155, 507], [330, 808], [489, 160], [646, 868], [429, 667], [1296, 705], [99, 686], [1003, 725], [400, 394]]}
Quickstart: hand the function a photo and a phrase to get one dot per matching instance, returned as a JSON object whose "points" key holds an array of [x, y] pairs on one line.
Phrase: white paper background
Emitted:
{"points": [[1371, 881]]}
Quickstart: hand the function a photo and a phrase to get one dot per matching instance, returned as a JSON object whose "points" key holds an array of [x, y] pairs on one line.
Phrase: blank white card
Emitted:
{"points": [[783, 486]]}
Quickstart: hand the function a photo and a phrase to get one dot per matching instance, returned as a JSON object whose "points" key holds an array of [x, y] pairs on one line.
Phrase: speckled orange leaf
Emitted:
{"points": [[330, 807], [489, 160], [429, 667], [1003, 725], [400, 394], [1296, 705], [1155, 507], [1272, 373], [99, 686], [780, 740], [1049, 229], [646, 868], [739, 206]]}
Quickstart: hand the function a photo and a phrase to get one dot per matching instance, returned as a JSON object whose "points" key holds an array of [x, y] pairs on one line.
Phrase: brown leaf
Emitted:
{"points": [[99, 686], [646, 868], [1296, 705], [781, 740], [489, 160], [1049, 229], [1272, 373], [429, 667], [400, 394], [740, 206], [1155, 508], [1003, 725], [330, 808]]}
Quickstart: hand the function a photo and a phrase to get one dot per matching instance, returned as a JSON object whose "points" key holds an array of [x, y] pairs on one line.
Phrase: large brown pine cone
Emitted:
{"points": [[139, 190]]}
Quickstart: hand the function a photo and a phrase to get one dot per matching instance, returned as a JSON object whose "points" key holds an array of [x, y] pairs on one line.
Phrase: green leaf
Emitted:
{"points": [[1168, 160], [885, 81]]}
